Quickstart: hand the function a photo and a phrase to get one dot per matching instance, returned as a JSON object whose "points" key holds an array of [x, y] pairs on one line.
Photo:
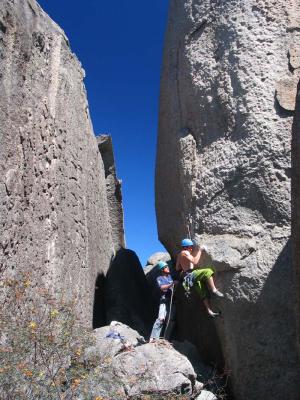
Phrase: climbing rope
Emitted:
{"points": [[189, 232], [170, 310]]}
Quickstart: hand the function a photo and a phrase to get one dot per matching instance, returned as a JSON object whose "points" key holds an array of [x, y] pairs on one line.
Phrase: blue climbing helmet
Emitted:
{"points": [[161, 265], [186, 243]]}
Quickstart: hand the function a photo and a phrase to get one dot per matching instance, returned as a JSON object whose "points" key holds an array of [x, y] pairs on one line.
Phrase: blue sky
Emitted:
{"points": [[120, 45]]}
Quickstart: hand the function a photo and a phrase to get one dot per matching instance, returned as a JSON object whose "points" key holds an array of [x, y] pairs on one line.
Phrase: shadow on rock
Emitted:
{"points": [[194, 325], [275, 332], [99, 310], [127, 294]]}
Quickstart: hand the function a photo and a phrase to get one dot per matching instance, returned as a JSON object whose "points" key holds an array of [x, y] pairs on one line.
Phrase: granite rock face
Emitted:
{"points": [[54, 214], [138, 369], [114, 192], [296, 203], [227, 94]]}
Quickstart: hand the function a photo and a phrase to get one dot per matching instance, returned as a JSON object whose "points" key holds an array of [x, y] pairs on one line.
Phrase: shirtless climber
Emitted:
{"points": [[200, 279]]}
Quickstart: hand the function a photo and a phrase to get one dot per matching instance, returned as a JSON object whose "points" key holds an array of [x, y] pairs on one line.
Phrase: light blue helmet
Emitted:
{"points": [[186, 243], [161, 265]]}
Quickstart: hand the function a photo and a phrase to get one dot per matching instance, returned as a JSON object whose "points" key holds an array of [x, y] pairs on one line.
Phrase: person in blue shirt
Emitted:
{"points": [[166, 285]]}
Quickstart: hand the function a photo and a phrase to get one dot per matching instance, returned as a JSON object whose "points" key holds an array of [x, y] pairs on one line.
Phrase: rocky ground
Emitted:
{"points": [[135, 369]]}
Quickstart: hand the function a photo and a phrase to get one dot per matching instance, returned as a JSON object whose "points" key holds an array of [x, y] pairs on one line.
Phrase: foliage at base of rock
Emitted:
{"points": [[41, 343], [46, 354]]}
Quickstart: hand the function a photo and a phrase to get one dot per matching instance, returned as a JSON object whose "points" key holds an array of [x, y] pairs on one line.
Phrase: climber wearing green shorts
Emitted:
{"points": [[200, 276], [200, 279]]}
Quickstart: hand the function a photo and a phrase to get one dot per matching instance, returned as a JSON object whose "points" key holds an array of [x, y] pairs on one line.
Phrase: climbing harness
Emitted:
{"points": [[170, 310], [188, 283]]}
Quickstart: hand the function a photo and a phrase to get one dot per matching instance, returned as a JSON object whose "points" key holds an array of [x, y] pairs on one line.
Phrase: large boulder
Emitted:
{"points": [[133, 369], [156, 257], [156, 369], [54, 217], [227, 95]]}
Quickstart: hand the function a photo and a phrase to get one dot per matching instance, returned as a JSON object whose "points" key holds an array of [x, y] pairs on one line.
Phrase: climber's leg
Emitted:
{"points": [[201, 276], [211, 285], [210, 312], [170, 327], [158, 324]]}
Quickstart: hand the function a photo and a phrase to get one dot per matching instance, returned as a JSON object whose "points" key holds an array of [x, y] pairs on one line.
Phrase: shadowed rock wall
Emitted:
{"points": [[127, 293], [54, 211], [228, 89]]}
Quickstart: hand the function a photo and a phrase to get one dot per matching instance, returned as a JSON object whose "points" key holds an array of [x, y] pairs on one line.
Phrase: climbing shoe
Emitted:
{"points": [[217, 293]]}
